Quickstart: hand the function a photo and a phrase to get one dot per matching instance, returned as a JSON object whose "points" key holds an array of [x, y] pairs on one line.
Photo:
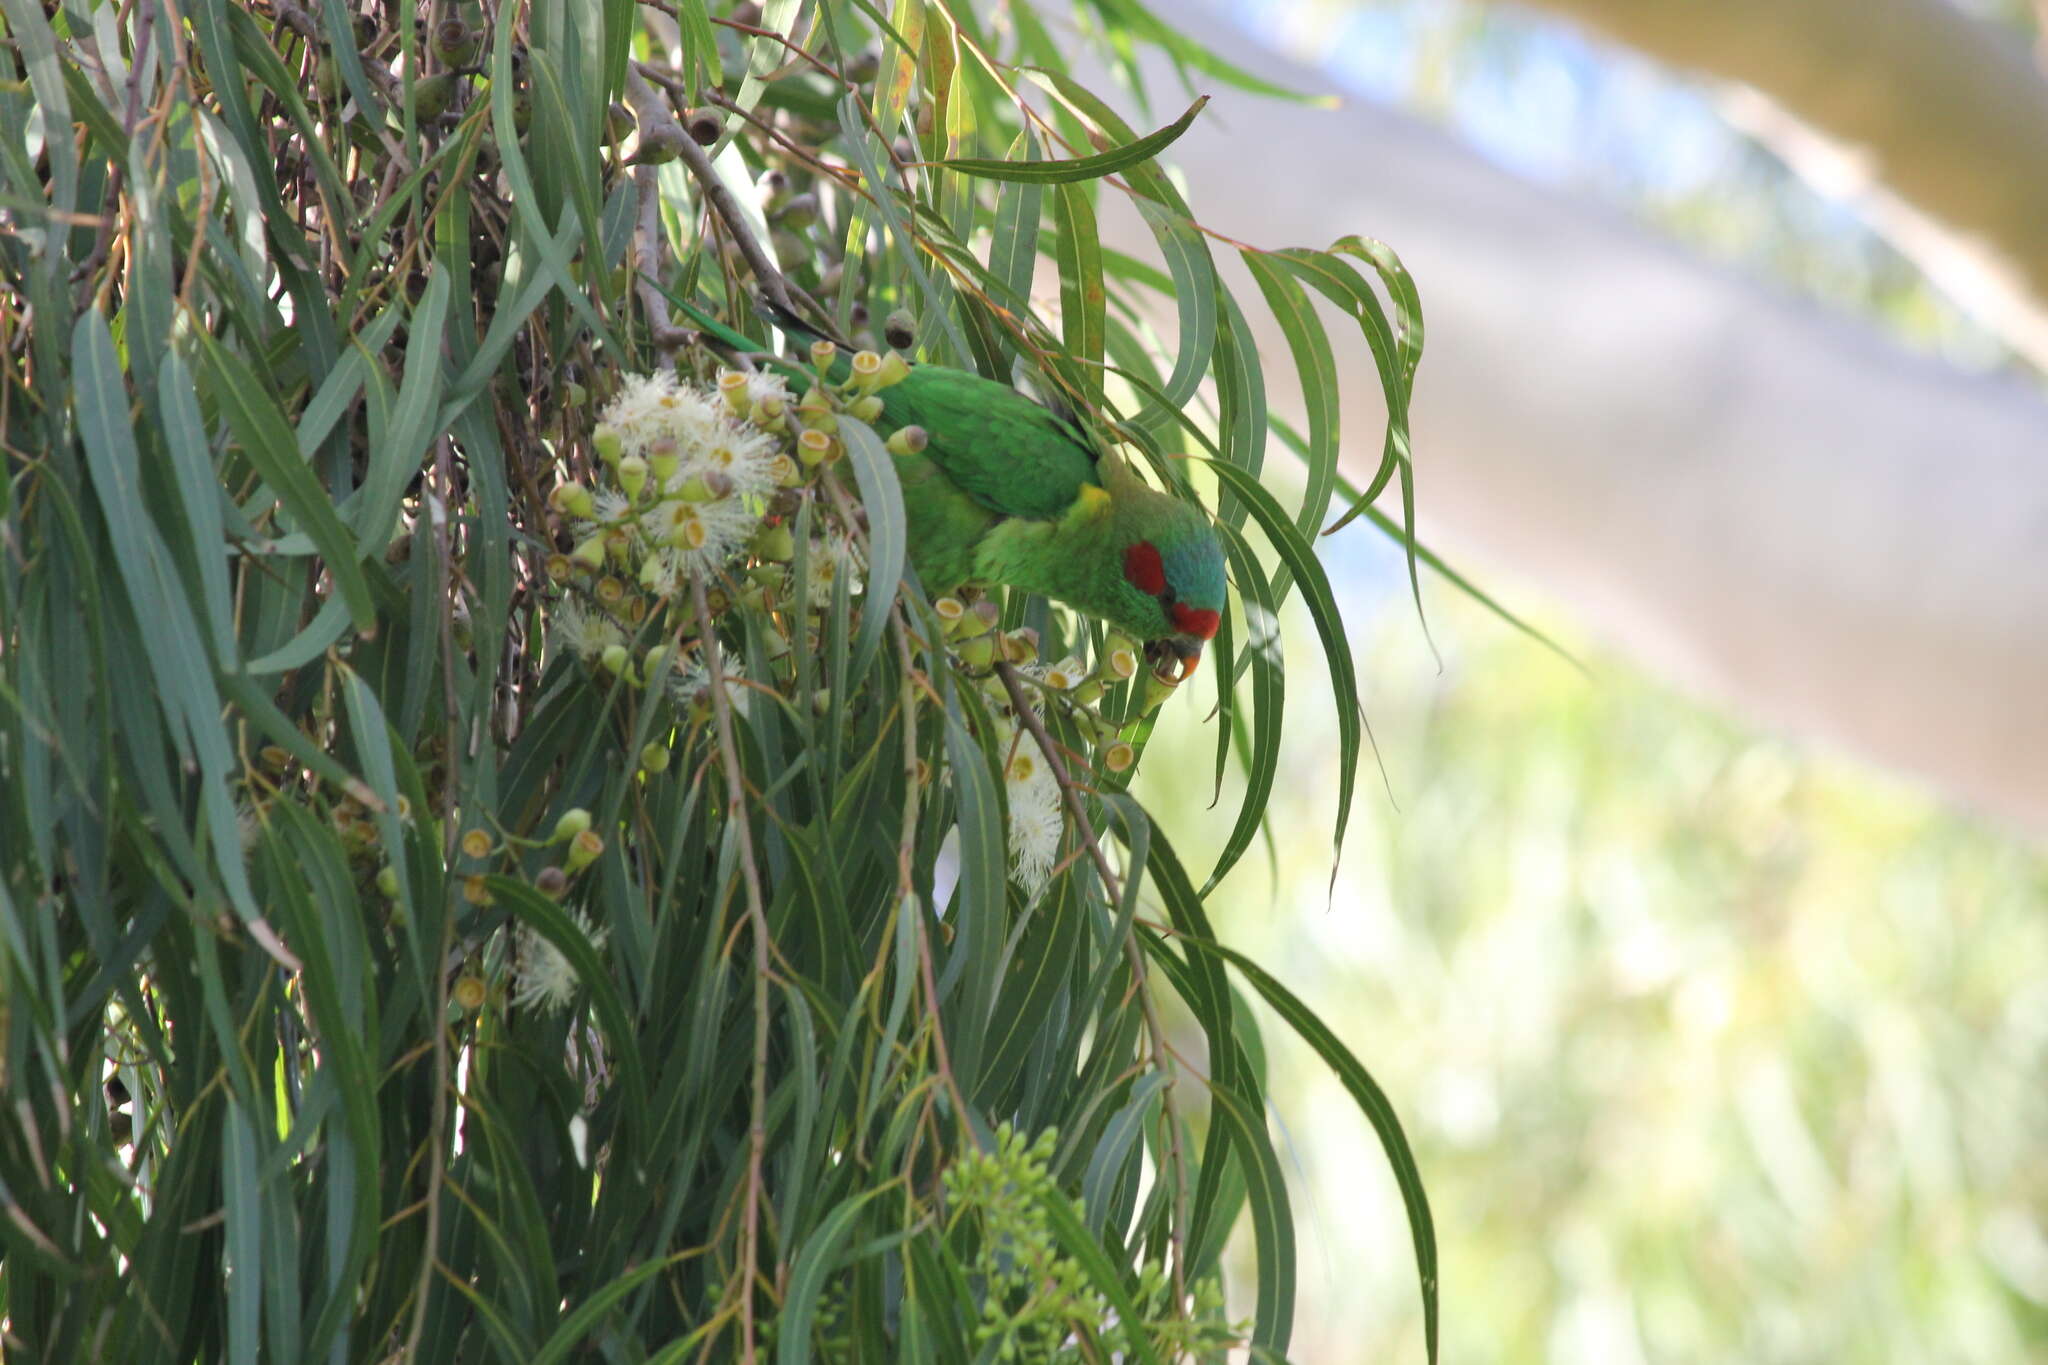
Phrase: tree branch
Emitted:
{"points": [[1020, 702]]}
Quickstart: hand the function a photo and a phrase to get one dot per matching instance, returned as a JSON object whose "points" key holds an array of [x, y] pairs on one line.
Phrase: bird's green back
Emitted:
{"points": [[1008, 453], [1014, 456]]}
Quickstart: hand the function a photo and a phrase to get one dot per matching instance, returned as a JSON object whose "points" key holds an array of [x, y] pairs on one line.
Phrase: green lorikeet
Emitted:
{"points": [[1007, 492]]}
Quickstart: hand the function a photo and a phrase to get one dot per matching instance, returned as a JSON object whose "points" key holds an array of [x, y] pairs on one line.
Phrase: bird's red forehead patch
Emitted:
{"points": [[1142, 569], [1197, 621]]}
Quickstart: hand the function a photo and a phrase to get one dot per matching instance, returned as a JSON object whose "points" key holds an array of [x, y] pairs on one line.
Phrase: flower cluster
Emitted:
{"points": [[696, 495], [1037, 1303], [690, 477]]}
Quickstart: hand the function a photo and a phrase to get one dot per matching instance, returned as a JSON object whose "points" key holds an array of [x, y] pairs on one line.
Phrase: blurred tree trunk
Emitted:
{"points": [[1932, 121], [1776, 505]]}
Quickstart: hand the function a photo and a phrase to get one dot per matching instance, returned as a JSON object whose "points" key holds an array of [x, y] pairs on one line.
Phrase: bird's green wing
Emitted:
{"points": [[1008, 453]]}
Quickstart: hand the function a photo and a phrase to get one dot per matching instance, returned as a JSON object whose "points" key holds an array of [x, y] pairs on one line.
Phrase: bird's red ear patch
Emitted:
{"points": [[1197, 621], [1142, 569]]}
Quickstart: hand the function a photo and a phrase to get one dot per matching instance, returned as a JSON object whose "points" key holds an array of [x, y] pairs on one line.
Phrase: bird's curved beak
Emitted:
{"points": [[1175, 658]]}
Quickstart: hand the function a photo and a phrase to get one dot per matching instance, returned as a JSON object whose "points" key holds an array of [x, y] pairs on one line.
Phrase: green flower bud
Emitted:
{"points": [[894, 369], [908, 441], [573, 499], [654, 758], [456, 43], [432, 95], [709, 486], [583, 851], [774, 543], [589, 553], [867, 408], [980, 652], [704, 126], [663, 460], [632, 476], [387, 882], [899, 329], [572, 823], [615, 658], [1157, 690], [732, 385], [606, 440]]}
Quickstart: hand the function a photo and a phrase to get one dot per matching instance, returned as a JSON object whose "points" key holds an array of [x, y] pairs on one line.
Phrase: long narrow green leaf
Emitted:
{"points": [[1300, 559], [1372, 1102], [1062, 172], [267, 440]]}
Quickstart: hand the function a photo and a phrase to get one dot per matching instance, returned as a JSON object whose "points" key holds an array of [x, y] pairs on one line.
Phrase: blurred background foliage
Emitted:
{"points": [[1712, 1049], [1718, 1047]]}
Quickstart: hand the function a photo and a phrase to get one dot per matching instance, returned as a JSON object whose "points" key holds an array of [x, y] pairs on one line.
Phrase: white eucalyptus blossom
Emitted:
{"points": [[763, 384], [829, 560], [584, 630], [1037, 823], [739, 450], [693, 679], [545, 977], [651, 406], [699, 536]]}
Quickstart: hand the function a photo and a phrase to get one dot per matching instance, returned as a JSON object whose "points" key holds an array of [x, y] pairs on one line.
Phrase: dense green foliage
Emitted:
{"points": [[487, 872]]}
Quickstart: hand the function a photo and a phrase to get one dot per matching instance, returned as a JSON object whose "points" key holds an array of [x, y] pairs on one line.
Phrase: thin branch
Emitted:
{"points": [[444, 588], [650, 248], [1161, 1060], [757, 915], [719, 195], [905, 851]]}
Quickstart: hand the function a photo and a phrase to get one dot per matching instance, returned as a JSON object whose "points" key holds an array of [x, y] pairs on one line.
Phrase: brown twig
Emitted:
{"points": [[757, 915], [717, 194], [905, 849], [650, 246]]}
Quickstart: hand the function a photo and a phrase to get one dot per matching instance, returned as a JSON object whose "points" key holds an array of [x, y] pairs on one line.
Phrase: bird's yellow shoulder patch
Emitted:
{"points": [[1093, 502]]}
